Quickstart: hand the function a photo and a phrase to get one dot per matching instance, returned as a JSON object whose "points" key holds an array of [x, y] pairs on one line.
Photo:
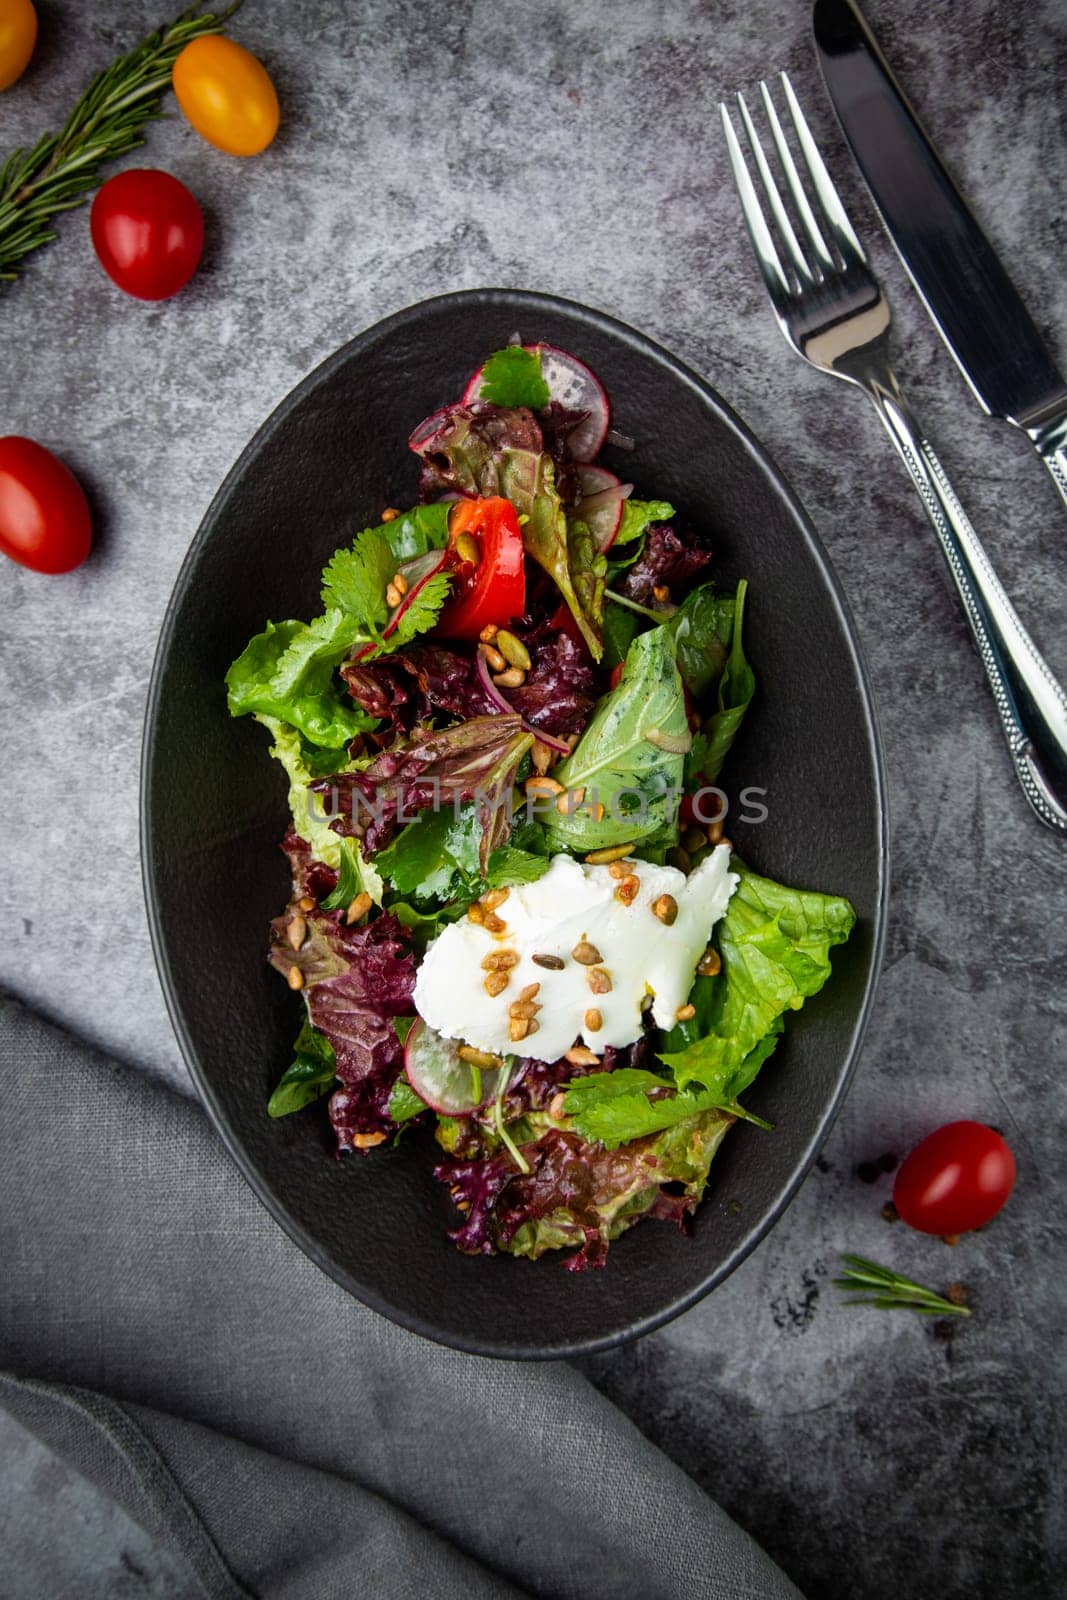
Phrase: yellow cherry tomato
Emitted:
{"points": [[226, 94], [18, 35]]}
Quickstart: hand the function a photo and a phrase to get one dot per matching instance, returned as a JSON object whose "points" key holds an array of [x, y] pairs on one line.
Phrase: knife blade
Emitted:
{"points": [[958, 275]]}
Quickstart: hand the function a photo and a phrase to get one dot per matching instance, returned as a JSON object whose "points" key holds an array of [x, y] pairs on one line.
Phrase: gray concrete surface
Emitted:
{"points": [[576, 149]]}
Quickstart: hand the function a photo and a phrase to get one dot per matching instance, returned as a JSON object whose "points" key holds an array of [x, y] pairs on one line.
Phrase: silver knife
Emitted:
{"points": [[963, 285]]}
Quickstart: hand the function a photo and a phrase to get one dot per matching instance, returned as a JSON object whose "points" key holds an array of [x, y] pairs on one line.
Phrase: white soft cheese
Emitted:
{"points": [[572, 902]]}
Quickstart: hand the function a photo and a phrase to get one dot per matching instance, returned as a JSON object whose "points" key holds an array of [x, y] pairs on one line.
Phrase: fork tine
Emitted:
{"points": [[775, 281], [796, 188], [774, 199], [836, 217]]}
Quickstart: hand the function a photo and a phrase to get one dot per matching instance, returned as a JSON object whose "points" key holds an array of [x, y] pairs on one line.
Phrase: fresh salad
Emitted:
{"points": [[514, 914]]}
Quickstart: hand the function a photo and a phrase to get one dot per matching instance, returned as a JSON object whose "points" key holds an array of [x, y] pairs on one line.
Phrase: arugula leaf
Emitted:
{"points": [[512, 377], [404, 1103], [618, 765], [620, 628], [286, 672], [775, 944], [588, 566], [637, 515], [736, 688], [311, 1074], [703, 628]]}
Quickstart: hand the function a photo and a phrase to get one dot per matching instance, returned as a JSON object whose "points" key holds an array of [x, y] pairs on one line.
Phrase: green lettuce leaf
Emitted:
{"points": [[512, 377], [611, 1108], [625, 1185], [309, 818], [287, 672], [311, 1074], [618, 764], [775, 944]]}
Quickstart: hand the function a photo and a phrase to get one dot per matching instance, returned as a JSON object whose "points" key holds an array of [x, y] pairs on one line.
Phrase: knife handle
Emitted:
{"points": [[1049, 439], [1031, 704]]}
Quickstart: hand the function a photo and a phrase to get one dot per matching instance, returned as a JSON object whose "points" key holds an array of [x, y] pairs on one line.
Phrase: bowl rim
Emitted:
{"points": [[527, 303]]}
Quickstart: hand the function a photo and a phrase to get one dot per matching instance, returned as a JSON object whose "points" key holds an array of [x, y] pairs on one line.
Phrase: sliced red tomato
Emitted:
{"points": [[493, 588], [562, 621]]}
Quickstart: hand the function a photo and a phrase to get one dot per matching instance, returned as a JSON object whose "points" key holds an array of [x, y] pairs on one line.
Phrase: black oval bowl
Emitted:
{"points": [[213, 807]]}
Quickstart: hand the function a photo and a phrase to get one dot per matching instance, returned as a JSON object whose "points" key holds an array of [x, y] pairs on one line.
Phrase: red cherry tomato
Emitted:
{"points": [[44, 515], [493, 589], [148, 232], [955, 1180]]}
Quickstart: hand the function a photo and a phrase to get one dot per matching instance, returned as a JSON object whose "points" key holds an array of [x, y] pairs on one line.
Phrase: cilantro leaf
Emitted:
{"points": [[512, 377]]}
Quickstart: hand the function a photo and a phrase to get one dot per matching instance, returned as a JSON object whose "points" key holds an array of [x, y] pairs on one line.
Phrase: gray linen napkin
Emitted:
{"points": [[268, 1433]]}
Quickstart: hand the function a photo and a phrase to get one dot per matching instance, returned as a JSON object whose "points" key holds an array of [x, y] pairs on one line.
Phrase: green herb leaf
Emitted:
{"points": [[637, 517], [107, 121], [436, 857], [312, 1074], [404, 1103], [356, 578], [878, 1286], [621, 760], [512, 377]]}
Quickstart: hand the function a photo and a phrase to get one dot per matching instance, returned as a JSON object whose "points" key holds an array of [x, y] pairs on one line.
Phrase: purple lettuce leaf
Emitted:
{"points": [[561, 687], [463, 453], [474, 760], [356, 980], [670, 559], [407, 688]]}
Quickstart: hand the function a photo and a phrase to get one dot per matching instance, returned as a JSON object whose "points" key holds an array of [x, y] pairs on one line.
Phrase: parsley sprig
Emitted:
{"points": [[108, 121], [872, 1285]]}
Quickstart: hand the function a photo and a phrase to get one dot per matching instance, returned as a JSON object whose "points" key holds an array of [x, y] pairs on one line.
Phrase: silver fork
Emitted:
{"points": [[832, 311]]}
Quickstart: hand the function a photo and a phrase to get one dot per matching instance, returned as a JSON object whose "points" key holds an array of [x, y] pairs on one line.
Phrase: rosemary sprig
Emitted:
{"points": [[877, 1286], [108, 121]]}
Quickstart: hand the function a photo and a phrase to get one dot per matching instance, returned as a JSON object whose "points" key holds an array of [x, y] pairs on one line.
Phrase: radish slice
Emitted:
{"points": [[428, 429], [571, 383], [600, 506], [439, 1075], [502, 703], [417, 574]]}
